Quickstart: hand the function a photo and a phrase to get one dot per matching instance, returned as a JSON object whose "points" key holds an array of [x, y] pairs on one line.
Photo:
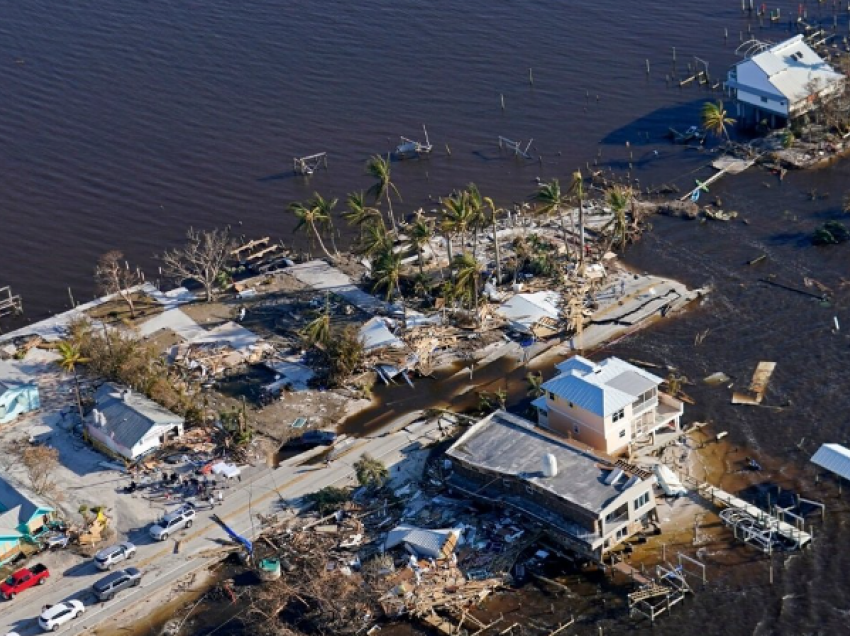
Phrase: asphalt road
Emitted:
{"points": [[163, 563]]}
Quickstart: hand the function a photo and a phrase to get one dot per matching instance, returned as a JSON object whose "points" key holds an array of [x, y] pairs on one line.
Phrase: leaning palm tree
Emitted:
{"points": [[371, 472], [359, 213], [310, 218], [379, 168], [553, 201], [375, 239], [715, 119], [69, 358], [577, 190], [323, 209]]}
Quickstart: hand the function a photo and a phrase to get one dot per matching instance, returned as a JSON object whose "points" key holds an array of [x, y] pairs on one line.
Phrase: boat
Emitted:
{"points": [[669, 482], [409, 148]]}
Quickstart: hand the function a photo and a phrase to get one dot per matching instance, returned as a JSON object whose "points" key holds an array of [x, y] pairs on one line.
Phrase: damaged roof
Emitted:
{"points": [[129, 415], [510, 445]]}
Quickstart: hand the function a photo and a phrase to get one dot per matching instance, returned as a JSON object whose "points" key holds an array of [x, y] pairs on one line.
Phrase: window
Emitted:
{"points": [[622, 532], [764, 100], [575, 429], [551, 395], [618, 415], [572, 406], [623, 433], [641, 501]]}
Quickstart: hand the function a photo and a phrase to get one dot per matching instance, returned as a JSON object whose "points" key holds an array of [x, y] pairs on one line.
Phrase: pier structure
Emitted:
{"points": [[9, 303]]}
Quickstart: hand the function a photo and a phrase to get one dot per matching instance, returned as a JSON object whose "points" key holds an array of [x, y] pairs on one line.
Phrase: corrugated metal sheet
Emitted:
{"points": [[632, 383], [835, 458]]}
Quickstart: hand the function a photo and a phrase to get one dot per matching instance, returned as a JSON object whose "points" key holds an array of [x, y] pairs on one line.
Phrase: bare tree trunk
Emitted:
{"points": [[390, 213], [319, 239], [564, 231], [129, 300], [498, 253], [581, 231], [450, 254]]}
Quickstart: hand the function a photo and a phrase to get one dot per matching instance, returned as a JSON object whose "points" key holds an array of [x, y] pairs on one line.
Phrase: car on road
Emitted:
{"points": [[57, 615], [314, 438], [23, 579], [172, 522], [107, 587], [106, 558]]}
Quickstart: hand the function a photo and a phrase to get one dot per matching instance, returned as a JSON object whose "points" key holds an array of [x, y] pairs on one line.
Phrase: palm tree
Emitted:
{"points": [[371, 472], [70, 357], [477, 218], [577, 191], [323, 209], [310, 217], [494, 212], [375, 239], [420, 235], [317, 332], [553, 201], [715, 119], [466, 282], [457, 218], [359, 213], [618, 198], [535, 384], [386, 271], [379, 168]]}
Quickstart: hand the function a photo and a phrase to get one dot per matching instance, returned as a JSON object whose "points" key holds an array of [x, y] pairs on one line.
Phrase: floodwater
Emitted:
{"points": [[124, 123]]}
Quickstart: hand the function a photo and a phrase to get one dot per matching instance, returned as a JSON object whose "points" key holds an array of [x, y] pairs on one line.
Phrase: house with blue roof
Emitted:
{"points": [[22, 514], [18, 392], [607, 406], [128, 424]]}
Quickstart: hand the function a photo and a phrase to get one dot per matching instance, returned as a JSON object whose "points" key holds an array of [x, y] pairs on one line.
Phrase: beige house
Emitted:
{"points": [[586, 504], [607, 405]]}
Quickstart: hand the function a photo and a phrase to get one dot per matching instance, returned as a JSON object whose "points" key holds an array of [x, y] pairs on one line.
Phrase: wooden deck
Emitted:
{"points": [[767, 520]]}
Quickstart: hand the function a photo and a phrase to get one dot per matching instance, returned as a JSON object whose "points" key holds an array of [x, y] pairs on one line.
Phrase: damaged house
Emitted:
{"points": [[607, 406], [585, 503], [128, 424]]}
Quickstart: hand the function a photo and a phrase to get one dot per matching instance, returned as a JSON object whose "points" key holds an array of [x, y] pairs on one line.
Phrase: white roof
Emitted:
{"points": [[376, 335], [602, 388], [528, 309], [791, 66], [835, 458]]}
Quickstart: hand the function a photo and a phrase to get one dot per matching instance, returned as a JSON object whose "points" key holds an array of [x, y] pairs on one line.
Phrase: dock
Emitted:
{"points": [[725, 165], [765, 520], [9, 303]]}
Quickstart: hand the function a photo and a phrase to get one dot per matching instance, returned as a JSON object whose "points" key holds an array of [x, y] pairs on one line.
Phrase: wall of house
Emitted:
{"points": [[9, 547], [635, 513], [573, 422], [17, 401], [100, 438], [154, 438], [37, 521]]}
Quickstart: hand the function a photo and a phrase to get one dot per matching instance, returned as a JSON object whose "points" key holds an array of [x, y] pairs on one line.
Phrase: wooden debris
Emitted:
{"points": [[758, 385]]}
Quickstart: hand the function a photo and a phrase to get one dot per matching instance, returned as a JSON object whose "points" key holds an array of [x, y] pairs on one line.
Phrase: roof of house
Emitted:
{"points": [[229, 333], [423, 541], [528, 309], [835, 458], [129, 415], [376, 335], [602, 388], [791, 66], [17, 504], [510, 445]]}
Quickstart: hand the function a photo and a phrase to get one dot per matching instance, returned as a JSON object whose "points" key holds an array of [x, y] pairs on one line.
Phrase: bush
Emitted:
{"points": [[831, 233], [329, 499]]}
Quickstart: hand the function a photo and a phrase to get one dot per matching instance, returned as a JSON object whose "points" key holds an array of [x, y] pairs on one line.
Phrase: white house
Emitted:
{"points": [[781, 82], [129, 424], [607, 405]]}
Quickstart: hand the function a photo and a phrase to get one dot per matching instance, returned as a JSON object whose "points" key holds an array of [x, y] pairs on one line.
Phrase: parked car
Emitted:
{"points": [[314, 438], [57, 615], [106, 558], [107, 587], [22, 579], [172, 522]]}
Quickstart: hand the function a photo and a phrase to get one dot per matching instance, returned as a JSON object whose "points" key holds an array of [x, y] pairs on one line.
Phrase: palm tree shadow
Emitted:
{"points": [[280, 176], [649, 128]]}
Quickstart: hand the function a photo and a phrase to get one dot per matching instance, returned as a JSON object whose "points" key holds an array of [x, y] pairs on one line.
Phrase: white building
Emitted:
{"points": [[129, 424], [607, 405], [781, 82]]}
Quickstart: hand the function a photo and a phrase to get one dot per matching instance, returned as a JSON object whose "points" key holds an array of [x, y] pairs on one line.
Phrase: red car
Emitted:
{"points": [[22, 579]]}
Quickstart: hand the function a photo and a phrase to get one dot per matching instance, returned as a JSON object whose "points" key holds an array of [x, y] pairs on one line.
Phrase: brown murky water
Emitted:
{"points": [[126, 122]]}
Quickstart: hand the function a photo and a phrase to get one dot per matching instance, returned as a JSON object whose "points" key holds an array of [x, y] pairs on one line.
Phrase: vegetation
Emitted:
{"points": [[371, 472], [831, 233], [379, 168], [359, 213], [535, 384], [115, 277], [69, 358], [201, 259], [553, 202], [40, 463], [618, 199], [313, 216], [344, 354], [317, 333], [329, 499], [577, 192], [715, 119]]}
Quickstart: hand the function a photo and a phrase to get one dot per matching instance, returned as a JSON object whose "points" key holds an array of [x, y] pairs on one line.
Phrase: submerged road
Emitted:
{"points": [[163, 563]]}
